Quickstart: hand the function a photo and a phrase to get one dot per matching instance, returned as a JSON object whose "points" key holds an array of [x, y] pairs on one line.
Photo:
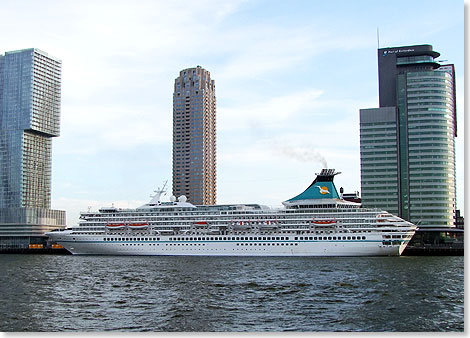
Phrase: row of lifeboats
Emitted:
{"points": [[276, 222], [134, 226]]}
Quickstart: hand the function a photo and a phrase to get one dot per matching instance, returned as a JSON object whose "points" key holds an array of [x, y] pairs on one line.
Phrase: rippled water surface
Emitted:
{"points": [[92, 293]]}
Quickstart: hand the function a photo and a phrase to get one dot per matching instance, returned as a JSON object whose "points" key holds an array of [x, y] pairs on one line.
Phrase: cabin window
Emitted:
{"points": [[349, 237], [329, 238]]}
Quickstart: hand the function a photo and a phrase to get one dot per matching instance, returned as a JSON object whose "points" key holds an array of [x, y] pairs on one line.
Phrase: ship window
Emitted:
{"points": [[349, 237], [334, 238], [353, 237], [363, 237], [329, 238], [296, 238]]}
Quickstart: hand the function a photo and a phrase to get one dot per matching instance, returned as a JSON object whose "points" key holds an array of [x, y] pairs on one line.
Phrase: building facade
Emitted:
{"points": [[194, 136], [30, 89], [408, 143]]}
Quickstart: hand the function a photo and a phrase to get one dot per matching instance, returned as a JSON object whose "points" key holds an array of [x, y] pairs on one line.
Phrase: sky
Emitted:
{"points": [[290, 79]]}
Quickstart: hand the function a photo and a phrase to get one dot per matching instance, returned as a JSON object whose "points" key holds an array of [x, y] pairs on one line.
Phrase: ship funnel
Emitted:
{"points": [[321, 188]]}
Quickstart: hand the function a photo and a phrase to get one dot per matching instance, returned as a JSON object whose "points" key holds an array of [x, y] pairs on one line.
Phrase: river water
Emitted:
{"points": [[133, 293]]}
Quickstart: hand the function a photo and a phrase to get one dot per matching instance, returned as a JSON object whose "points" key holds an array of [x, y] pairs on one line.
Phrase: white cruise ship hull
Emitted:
{"points": [[225, 246]]}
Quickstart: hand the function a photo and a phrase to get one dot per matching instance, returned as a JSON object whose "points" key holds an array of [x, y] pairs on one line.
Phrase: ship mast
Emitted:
{"points": [[158, 193]]}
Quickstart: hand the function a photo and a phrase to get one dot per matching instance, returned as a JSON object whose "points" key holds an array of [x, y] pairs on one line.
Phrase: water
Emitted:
{"points": [[92, 293]]}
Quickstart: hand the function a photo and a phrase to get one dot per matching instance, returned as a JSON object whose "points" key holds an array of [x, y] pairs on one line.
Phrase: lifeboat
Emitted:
{"points": [[136, 226], [116, 226], [200, 223], [324, 221]]}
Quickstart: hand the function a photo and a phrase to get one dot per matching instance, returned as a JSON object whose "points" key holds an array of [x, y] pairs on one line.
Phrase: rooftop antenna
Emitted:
{"points": [[378, 41]]}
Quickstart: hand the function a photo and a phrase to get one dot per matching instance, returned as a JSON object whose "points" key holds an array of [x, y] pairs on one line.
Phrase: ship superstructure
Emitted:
{"points": [[317, 222]]}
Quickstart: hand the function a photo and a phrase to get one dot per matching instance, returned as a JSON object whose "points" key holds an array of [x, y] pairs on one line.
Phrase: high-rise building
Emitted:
{"points": [[408, 143], [30, 85], [194, 136]]}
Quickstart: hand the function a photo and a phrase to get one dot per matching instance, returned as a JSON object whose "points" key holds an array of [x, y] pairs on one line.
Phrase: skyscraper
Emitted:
{"points": [[408, 143], [30, 84], [194, 136]]}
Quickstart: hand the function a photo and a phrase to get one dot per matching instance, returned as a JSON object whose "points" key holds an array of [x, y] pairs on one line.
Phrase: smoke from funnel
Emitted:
{"points": [[303, 155]]}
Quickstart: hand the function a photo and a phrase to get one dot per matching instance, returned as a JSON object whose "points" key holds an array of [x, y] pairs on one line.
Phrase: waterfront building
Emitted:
{"points": [[407, 145], [30, 89], [194, 136]]}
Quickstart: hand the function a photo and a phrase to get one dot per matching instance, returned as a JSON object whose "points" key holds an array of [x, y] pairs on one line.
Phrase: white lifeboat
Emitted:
{"points": [[115, 226], [137, 226]]}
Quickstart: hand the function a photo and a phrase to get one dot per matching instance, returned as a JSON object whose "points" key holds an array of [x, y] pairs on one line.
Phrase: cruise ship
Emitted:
{"points": [[317, 222]]}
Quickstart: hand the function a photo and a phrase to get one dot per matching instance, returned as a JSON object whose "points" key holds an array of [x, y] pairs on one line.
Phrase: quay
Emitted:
{"points": [[436, 242]]}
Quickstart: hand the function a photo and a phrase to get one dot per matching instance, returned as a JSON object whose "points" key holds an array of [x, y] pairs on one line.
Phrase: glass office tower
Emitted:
{"points": [[30, 84], [408, 144], [194, 136]]}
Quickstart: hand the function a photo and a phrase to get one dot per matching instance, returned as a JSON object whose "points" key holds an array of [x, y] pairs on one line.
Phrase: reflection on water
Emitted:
{"points": [[93, 293]]}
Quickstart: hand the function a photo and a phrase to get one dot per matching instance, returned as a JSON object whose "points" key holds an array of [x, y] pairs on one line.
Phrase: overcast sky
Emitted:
{"points": [[290, 79]]}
